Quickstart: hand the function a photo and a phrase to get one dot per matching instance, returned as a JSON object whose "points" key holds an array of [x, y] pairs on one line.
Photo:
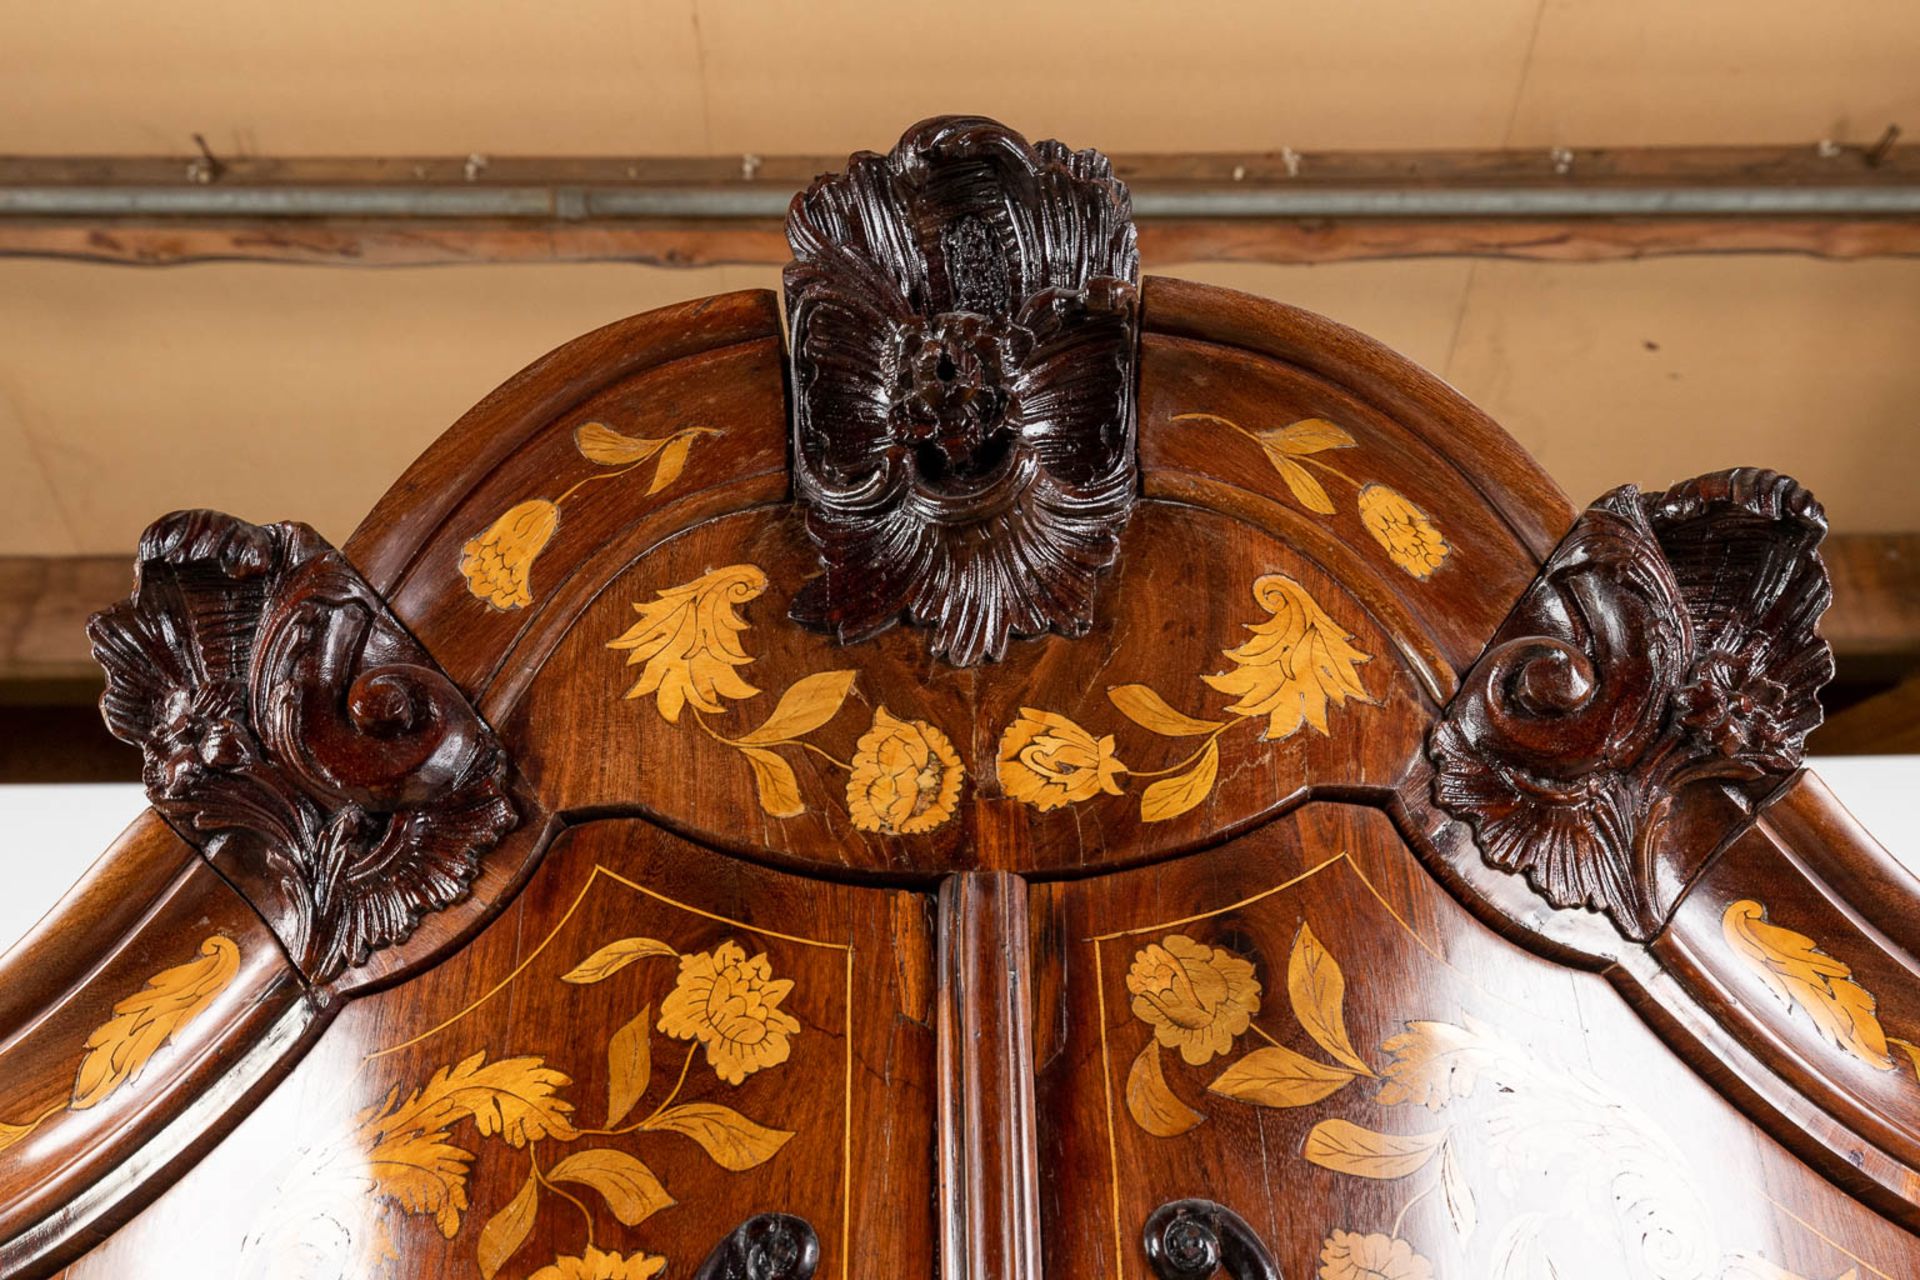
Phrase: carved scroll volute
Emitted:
{"points": [[1652, 687], [298, 736], [962, 317]]}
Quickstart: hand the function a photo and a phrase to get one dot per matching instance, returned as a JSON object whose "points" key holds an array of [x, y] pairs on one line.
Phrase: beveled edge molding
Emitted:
{"points": [[963, 317], [1648, 693], [297, 736]]}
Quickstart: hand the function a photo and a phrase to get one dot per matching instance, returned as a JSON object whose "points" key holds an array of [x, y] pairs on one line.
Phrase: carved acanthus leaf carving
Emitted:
{"points": [[1653, 685], [963, 338], [297, 735]]}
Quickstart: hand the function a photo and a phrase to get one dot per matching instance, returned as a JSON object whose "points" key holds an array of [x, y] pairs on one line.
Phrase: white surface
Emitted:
{"points": [[57, 831]]}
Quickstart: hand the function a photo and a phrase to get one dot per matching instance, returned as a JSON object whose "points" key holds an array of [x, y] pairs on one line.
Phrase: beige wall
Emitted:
{"points": [[295, 391], [699, 76], [278, 391]]}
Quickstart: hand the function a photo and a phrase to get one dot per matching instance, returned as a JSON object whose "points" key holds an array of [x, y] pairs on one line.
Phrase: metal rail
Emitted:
{"points": [[573, 203]]}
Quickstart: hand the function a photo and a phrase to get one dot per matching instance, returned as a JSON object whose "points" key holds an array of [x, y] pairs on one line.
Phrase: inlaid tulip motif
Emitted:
{"points": [[498, 561], [1406, 533]]}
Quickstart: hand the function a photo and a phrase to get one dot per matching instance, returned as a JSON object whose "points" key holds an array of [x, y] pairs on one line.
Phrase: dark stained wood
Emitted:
{"points": [[1884, 724], [975, 971], [989, 1157], [1647, 694], [298, 736], [962, 335]]}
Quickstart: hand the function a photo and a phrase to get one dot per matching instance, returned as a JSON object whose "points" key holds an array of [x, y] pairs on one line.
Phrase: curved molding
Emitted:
{"points": [[1652, 687], [963, 334], [296, 735]]}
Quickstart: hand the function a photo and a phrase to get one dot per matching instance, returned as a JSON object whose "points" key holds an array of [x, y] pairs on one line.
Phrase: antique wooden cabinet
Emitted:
{"points": [[1016, 769]]}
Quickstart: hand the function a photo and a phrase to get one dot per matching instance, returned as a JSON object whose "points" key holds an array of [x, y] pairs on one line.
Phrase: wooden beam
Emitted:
{"points": [[1163, 242], [557, 199]]}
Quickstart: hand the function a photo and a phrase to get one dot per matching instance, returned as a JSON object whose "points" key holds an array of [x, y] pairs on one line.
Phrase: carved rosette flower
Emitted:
{"points": [[1198, 999], [731, 1005], [1653, 685], [962, 315], [906, 777], [1046, 760]]}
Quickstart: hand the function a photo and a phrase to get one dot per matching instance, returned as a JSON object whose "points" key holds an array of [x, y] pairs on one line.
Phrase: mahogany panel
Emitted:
{"points": [[650, 1045], [1301, 1026], [1185, 712]]}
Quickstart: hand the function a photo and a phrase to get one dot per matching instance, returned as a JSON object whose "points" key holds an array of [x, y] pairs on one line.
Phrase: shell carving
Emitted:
{"points": [[962, 315]]}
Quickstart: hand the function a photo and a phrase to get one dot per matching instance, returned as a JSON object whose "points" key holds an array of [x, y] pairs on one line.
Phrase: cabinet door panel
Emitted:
{"points": [[652, 1044]]}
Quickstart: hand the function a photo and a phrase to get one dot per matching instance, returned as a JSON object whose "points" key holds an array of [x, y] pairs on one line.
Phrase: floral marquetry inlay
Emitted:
{"points": [[1406, 533], [143, 1024], [1297, 665], [904, 777], [497, 562], [415, 1149]]}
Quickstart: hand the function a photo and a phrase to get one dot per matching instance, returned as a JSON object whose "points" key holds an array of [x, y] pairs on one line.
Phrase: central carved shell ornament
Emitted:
{"points": [[962, 336]]}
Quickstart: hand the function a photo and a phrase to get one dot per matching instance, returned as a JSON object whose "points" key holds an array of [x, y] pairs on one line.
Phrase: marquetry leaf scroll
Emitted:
{"points": [[1406, 533], [962, 317], [1803, 976], [298, 736], [904, 777], [143, 1024], [1650, 690]]}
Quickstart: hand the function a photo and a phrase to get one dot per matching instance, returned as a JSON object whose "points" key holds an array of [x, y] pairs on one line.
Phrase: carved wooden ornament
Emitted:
{"points": [[297, 735], [1652, 687], [963, 332]]}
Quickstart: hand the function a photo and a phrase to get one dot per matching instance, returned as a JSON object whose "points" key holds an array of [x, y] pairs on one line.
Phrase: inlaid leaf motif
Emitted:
{"points": [[1345, 1147], [1434, 1063], [1151, 1101], [1802, 976], [1171, 797], [1297, 663], [1457, 1192], [515, 1098], [1149, 710], [1276, 1076], [733, 1141], [12, 1133], [687, 641], [614, 957], [1318, 991], [774, 783], [1306, 437], [498, 561], [507, 1230], [1306, 490], [1907, 1048], [142, 1023], [630, 1189], [673, 460], [629, 1065], [805, 706], [422, 1172], [598, 442]]}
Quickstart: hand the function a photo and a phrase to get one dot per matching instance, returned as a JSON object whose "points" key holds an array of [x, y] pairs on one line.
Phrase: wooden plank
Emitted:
{"points": [[1163, 242], [1876, 597], [420, 240]]}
